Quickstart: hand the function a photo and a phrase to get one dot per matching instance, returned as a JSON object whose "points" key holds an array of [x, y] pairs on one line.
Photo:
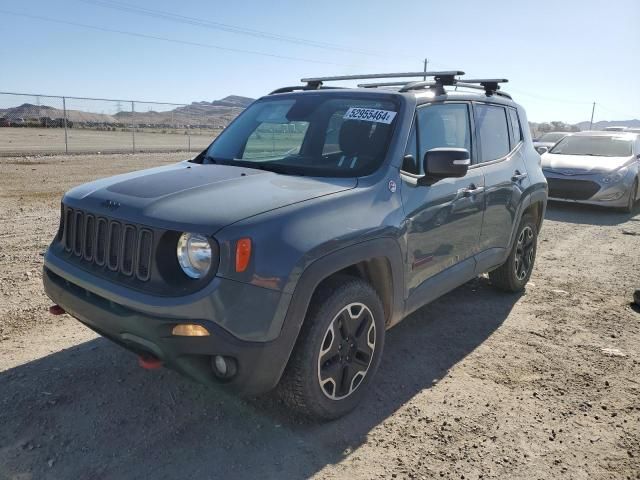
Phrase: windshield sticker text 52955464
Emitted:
{"points": [[369, 115]]}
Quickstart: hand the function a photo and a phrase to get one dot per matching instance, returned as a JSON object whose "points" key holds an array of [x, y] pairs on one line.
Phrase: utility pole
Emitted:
{"points": [[592, 112], [426, 62]]}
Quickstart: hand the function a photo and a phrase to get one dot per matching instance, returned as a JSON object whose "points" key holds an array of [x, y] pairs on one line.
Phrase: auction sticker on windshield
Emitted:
{"points": [[370, 115]]}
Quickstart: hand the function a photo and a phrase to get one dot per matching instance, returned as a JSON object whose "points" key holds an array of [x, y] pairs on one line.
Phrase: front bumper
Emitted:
{"points": [[588, 189], [259, 363]]}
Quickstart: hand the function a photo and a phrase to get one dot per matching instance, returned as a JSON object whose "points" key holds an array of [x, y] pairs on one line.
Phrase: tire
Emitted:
{"points": [[633, 194], [514, 274], [326, 376]]}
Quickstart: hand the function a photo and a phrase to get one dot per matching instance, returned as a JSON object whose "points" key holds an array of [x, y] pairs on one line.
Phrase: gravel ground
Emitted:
{"points": [[478, 384]]}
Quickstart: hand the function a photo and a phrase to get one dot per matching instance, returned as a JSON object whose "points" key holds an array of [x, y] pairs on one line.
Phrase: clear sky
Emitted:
{"points": [[558, 55]]}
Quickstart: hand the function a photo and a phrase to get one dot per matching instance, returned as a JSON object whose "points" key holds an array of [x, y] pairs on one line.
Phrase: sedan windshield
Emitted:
{"points": [[309, 134], [597, 146]]}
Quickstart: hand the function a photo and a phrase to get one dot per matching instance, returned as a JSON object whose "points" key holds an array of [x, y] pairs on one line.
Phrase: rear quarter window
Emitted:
{"points": [[516, 128]]}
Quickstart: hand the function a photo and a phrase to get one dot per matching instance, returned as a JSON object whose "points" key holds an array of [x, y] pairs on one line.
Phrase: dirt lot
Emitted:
{"points": [[476, 385], [23, 141]]}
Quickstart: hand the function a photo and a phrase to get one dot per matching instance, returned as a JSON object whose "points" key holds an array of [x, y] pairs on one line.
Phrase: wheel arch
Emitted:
{"points": [[535, 203], [377, 261]]}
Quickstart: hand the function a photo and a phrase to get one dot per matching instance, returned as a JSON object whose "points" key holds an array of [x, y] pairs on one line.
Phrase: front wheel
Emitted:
{"points": [[633, 194], [514, 274], [338, 351]]}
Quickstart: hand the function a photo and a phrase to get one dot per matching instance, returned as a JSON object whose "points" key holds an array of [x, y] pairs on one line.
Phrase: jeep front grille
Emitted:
{"points": [[121, 247]]}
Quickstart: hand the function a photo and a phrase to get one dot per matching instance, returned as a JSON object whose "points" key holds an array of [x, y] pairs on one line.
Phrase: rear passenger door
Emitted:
{"points": [[501, 159]]}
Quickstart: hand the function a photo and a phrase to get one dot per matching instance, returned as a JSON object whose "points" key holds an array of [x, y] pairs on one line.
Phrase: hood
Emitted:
{"points": [[583, 163], [199, 198]]}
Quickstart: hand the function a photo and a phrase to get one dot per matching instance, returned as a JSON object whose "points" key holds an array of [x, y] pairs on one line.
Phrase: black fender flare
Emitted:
{"points": [[538, 194], [325, 266]]}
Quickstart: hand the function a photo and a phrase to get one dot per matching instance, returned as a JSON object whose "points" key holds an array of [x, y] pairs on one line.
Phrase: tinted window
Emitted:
{"points": [[444, 125], [515, 127], [491, 124]]}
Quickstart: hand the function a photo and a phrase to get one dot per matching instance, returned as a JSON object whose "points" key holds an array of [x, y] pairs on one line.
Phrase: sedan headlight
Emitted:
{"points": [[616, 176], [194, 254]]}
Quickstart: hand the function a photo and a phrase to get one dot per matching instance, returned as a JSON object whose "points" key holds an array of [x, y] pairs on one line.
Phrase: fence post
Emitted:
{"points": [[64, 110], [133, 127], [188, 132]]}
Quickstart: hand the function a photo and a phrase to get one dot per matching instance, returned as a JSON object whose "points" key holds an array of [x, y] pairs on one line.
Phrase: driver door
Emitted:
{"points": [[444, 220]]}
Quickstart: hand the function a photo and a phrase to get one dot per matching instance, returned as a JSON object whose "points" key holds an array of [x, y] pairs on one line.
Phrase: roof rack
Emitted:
{"points": [[315, 82], [489, 85], [441, 79], [383, 84]]}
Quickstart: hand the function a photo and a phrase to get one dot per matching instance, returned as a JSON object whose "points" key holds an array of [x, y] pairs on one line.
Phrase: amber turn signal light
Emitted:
{"points": [[243, 254], [189, 330]]}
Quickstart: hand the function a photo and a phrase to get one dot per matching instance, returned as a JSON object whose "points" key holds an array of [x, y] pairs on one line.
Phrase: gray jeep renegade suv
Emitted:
{"points": [[317, 220]]}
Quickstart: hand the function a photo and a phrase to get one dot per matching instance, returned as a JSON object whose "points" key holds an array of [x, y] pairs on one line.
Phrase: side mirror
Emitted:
{"points": [[445, 162], [542, 150]]}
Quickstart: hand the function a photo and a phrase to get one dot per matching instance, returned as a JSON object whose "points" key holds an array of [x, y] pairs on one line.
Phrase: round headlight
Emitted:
{"points": [[194, 254]]}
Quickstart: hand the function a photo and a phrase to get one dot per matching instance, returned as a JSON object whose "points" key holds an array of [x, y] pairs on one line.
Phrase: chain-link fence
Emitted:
{"points": [[45, 124]]}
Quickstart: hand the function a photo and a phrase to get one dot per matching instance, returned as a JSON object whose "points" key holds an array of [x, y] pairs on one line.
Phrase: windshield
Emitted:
{"points": [[552, 137], [317, 135], [600, 146]]}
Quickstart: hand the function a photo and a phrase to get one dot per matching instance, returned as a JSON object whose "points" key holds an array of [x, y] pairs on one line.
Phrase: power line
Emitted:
{"points": [[174, 17], [172, 40], [548, 99]]}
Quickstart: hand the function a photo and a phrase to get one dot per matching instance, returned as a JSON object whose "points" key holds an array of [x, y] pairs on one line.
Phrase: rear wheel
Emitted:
{"points": [[514, 274], [338, 351]]}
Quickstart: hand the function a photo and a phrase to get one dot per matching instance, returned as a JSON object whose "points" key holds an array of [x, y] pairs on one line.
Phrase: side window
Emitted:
{"points": [[516, 129], [443, 125], [408, 165], [491, 124]]}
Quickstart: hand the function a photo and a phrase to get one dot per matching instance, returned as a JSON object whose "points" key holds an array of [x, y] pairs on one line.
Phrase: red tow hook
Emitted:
{"points": [[56, 310], [149, 362]]}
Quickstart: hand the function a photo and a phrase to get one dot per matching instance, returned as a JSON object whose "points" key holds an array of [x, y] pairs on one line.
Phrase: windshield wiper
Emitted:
{"points": [[270, 167]]}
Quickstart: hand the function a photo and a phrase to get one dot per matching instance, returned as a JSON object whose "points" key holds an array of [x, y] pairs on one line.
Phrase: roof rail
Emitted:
{"points": [[301, 87]]}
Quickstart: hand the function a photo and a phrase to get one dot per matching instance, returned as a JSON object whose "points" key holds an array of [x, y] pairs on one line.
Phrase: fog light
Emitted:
{"points": [[612, 196], [189, 330], [221, 365], [224, 367]]}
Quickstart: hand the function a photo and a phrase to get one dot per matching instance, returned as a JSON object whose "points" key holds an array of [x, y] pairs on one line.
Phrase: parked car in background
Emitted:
{"points": [[615, 128], [548, 140], [599, 168]]}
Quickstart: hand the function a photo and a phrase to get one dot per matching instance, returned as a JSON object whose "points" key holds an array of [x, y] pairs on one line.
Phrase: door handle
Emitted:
{"points": [[518, 177], [471, 190]]}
